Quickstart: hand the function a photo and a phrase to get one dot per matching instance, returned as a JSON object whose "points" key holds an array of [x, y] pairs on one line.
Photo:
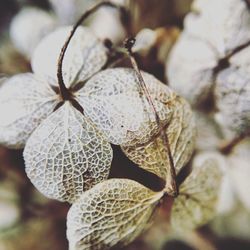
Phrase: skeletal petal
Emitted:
{"points": [[199, 193], [113, 100], [66, 156], [180, 131], [24, 102], [85, 56], [114, 212]]}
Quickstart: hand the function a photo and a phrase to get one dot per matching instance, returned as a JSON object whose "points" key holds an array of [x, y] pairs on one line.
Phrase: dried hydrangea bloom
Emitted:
{"points": [[84, 56], [25, 100], [226, 39], [66, 155], [227, 31], [28, 27], [199, 193], [239, 171], [191, 64], [180, 130], [30, 96], [114, 212], [115, 104]]}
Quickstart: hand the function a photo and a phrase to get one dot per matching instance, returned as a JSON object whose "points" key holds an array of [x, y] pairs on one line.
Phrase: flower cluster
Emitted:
{"points": [[67, 125]]}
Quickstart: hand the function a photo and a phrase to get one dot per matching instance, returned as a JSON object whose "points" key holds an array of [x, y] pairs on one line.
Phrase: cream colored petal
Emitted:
{"points": [[190, 68], [199, 194], [66, 156], [112, 213], [29, 26], [233, 100], [85, 56], [153, 157], [24, 102], [224, 24], [113, 101]]}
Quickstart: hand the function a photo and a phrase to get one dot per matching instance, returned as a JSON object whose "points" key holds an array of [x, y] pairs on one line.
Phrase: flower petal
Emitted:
{"points": [[114, 212], [24, 102], [152, 156], [233, 101], [197, 201], [227, 31], [190, 68], [66, 156], [113, 101], [85, 56]]}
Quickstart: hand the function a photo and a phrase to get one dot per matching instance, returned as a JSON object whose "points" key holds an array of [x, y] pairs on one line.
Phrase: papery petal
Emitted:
{"points": [[190, 68], [24, 102], [114, 212], [180, 131], [224, 24], [66, 156], [232, 93], [84, 56], [113, 100], [199, 194]]}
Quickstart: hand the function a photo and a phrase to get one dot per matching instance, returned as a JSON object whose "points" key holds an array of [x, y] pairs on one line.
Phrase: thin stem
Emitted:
{"points": [[171, 187], [65, 93], [227, 148]]}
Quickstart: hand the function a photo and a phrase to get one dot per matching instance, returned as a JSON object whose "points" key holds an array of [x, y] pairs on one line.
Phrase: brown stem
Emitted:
{"points": [[65, 93], [228, 147], [171, 187]]}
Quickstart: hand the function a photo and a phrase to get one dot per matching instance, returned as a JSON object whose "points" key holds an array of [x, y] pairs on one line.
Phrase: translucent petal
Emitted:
{"points": [[28, 27], [224, 24], [66, 156], [180, 131], [114, 212], [199, 193], [85, 56], [190, 68], [24, 102], [112, 100], [233, 100]]}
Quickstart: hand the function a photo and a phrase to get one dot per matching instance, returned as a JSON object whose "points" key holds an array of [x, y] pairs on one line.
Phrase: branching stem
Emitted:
{"points": [[65, 93], [171, 187]]}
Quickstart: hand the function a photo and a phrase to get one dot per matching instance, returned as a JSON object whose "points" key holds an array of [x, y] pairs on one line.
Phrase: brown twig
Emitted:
{"points": [[171, 187], [226, 148]]}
